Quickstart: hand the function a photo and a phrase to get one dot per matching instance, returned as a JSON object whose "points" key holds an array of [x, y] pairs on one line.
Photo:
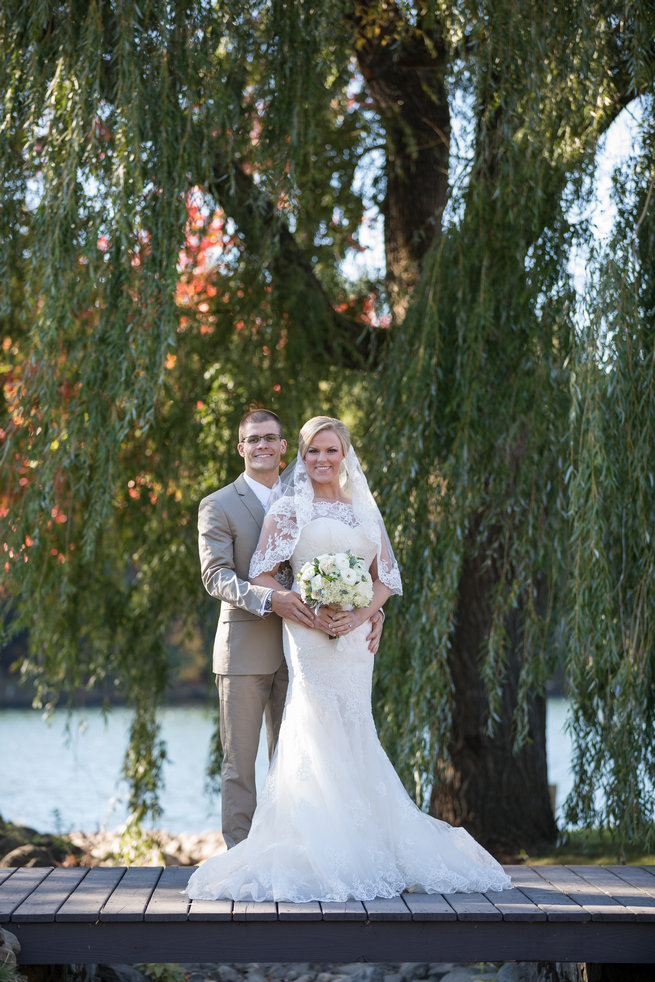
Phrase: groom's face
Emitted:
{"points": [[262, 448]]}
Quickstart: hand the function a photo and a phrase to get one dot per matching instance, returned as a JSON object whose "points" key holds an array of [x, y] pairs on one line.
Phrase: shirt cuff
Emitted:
{"points": [[262, 610]]}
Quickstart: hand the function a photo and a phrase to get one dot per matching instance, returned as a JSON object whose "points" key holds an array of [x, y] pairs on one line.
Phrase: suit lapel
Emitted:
{"points": [[250, 500]]}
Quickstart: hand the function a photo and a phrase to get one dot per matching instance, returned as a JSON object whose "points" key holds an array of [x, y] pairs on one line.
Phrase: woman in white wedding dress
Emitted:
{"points": [[333, 820]]}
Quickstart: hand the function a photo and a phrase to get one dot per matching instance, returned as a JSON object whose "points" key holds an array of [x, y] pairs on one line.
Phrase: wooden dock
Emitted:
{"points": [[140, 914]]}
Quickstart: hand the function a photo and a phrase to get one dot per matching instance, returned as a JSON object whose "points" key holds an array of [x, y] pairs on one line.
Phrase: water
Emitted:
{"points": [[58, 783]]}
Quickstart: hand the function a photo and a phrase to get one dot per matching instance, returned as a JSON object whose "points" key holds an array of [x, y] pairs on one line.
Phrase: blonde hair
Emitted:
{"points": [[316, 425]]}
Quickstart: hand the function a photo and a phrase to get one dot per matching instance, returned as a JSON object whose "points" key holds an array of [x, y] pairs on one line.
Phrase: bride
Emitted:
{"points": [[333, 821]]}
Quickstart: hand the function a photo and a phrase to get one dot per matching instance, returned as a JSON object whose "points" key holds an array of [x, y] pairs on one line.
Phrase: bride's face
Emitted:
{"points": [[323, 459]]}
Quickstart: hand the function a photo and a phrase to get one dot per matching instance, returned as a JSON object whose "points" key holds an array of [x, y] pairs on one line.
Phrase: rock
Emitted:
{"points": [[10, 941], [9, 842], [7, 958], [119, 973], [28, 855], [368, 973], [200, 971], [255, 975], [299, 971], [518, 972], [470, 973], [227, 973], [414, 970]]}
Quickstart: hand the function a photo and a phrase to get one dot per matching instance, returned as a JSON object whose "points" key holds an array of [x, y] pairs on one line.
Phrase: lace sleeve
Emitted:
{"points": [[388, 571], [277, 539]]}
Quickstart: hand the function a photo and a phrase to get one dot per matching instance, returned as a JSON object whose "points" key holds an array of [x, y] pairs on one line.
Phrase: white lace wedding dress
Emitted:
{"points": [[333, 820]]}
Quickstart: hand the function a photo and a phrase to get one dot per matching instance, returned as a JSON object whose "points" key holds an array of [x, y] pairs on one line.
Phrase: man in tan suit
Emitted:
{"points": [[251, 674]]}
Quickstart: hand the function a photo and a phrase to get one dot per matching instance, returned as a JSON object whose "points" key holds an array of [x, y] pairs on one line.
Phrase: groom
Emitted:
{"points": [[251, 674]]}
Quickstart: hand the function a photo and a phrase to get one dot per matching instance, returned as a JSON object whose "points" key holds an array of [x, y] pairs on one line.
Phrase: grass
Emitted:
{"points": [[595, 847]]}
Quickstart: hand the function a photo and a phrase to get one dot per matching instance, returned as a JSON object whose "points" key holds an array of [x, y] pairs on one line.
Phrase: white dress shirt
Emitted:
{"points": [[261, 490], [264, 495]]}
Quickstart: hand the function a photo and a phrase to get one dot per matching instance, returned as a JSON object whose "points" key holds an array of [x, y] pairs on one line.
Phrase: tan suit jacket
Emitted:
{"points": [[229, 523]]}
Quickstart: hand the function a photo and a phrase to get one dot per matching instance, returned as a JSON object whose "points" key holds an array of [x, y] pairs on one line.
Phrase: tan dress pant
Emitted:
{"points": [[244, 701]]}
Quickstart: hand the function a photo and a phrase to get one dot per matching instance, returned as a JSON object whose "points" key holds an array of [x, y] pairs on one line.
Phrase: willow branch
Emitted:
{"points": [[351, 344]]}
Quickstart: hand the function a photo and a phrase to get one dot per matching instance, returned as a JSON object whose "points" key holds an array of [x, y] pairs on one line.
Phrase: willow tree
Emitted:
{"points": [[498, 459], [179, 193]]}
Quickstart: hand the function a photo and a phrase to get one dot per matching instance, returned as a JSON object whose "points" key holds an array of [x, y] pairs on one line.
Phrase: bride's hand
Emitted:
{"points": [[323, 618], [342, 622]]}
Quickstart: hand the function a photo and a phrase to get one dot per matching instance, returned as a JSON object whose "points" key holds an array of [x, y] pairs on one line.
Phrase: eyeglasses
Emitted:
{"points": [[252, 441]]}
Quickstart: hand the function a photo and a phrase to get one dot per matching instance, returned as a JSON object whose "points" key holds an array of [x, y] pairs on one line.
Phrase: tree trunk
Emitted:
{"points": [[405, 76], [501, 798]]}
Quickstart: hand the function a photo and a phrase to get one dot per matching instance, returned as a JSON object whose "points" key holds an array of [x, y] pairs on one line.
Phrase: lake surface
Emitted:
{"points": [[56, 782]]}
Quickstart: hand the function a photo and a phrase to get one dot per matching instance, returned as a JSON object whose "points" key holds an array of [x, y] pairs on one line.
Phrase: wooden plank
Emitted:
{"points": [[600, 906], [351, 910], [169, 902], [634, 900], [636, 877], [387, 909], [18, 886], [429, 907], [299, 912], [556, 905], [88, 899], [5, 873], [246, 910], [333, 941], [44, 902], [210, 910], [515, 906], [473, 907], [130, 898]]}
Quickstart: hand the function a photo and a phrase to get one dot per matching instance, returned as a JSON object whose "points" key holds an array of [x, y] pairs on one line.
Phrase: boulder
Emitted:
{"points": [[9, 948], [28, 855]]}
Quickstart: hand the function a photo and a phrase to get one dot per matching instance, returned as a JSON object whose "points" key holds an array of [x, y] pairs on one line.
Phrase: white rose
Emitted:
{"points": [[349, 576], [326, 563], [341, 561], [317, 583], [363, 593]]}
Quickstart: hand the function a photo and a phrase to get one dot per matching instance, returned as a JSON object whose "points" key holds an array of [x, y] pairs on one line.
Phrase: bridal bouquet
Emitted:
{"points": [[336, 579]]}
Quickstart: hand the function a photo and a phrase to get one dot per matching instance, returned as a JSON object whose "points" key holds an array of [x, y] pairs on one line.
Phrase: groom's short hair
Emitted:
{"points": [[259, 416]]}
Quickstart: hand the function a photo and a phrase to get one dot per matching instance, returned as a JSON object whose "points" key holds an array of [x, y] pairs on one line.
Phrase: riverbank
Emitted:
{"points": [[21, 845]]}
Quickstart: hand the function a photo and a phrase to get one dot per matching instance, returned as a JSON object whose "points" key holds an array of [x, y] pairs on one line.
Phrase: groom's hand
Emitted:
{"points": [[288, 604], [373, 638]]}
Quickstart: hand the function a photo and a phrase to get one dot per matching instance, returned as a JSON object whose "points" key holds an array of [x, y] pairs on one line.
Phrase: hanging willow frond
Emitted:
{"points": [[473, 426]]}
